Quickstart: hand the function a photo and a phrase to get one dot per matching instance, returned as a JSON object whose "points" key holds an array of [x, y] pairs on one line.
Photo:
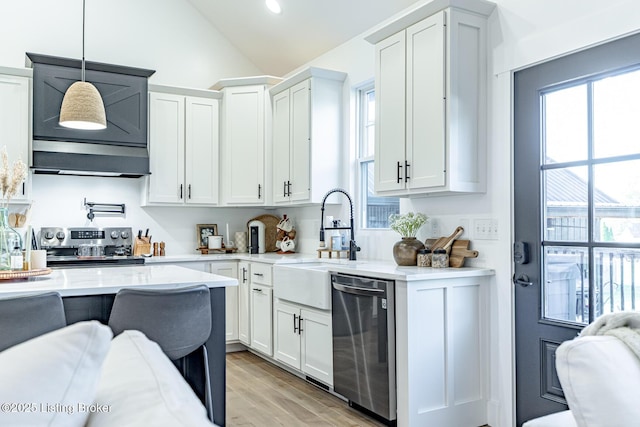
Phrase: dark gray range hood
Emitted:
{"points": [[118, 150]]}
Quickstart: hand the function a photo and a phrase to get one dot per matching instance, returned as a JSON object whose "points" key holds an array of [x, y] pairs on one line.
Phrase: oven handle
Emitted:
{"points": [[355, 290]]}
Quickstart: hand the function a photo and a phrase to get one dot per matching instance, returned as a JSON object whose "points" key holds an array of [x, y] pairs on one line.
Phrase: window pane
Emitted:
{"points": [[565, 204], [566, 287], [565, 125], [367, 125], [376, 210], [616, 280], [616, 197], [616, 115]]}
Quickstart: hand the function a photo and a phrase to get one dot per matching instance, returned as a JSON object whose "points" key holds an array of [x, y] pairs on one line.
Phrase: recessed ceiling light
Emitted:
{"points": [[274, 6]]}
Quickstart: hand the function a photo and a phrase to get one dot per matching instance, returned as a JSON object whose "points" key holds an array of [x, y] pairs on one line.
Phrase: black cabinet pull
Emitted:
{"points": [[180, 191], [406, 171], [244, 275], [295, 327], [288, 188], [284, 188], [259, 191], [24, 189], [189, 189], [257, 290], [299, 325], [258, 274], [399, 178]]}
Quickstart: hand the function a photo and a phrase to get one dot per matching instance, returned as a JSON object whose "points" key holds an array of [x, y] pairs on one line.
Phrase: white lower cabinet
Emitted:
{"points": [[302, 339], [244, 311], [261, 306], [229, 269]]}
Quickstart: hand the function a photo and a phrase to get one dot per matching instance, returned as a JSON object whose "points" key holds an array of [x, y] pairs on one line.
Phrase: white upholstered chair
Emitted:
{"points": [[600, 376]]}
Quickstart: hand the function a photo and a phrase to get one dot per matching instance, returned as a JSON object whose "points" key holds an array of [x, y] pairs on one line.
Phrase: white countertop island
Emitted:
{"points": [[109, 280]]}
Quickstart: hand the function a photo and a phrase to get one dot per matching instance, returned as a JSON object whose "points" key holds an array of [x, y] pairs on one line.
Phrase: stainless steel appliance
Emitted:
{"points": [[88, 246], [364, 364]]}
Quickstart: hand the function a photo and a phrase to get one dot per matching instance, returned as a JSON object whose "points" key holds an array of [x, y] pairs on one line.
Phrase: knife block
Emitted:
{"points": [[141, 245]]}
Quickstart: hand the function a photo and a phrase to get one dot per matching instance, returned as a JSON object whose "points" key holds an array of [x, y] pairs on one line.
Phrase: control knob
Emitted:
{"points": [[48, 235], [114, 234], [60, 235], [124, 235]]}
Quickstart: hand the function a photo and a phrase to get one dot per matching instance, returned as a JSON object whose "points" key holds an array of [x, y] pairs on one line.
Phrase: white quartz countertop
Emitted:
{"points": [[371, 268], [109, 280]]}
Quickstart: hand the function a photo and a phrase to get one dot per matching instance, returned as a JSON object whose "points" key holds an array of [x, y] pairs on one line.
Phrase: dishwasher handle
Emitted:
{"points": [[355, 290]]}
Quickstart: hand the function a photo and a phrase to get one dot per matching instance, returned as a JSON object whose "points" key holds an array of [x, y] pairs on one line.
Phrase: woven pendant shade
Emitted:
{"points": [[82, 108]]}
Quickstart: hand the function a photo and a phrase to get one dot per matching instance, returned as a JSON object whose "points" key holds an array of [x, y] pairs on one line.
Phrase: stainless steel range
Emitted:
{"points": [[88, 246]]}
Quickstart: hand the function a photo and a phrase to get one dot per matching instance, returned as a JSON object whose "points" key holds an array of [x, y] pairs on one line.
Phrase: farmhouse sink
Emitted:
{"points": [[306, 283]]}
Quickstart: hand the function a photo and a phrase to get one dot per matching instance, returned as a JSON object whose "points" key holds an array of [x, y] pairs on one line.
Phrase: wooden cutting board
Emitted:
{"points": [[459, 250]]}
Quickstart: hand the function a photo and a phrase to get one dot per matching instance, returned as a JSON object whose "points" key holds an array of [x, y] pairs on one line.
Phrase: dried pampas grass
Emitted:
{"points": [[10, 179]]}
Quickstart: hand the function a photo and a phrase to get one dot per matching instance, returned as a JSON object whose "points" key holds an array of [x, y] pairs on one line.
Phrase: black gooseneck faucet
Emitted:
{"points": [[353, 247]]}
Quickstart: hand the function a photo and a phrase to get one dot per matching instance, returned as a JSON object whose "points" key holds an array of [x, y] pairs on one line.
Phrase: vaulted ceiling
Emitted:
{"points": [[278, 44]]}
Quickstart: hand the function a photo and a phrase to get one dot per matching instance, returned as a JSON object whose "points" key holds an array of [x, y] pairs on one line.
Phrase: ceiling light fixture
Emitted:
{"points": [[274, 6], [82, 106]]}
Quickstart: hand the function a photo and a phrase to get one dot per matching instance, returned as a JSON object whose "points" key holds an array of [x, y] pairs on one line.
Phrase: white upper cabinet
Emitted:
{"points": [[307, 136], [15, 124], [183, 147], [430, 77], [246, 141]]}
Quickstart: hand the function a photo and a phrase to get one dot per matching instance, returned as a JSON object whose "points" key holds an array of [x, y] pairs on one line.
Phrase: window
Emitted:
{"points": [[375, 210], [590, 170]]}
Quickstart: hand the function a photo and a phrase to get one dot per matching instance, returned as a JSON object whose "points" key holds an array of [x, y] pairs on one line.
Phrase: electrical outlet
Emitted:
{"points": [[485, 229], [435, 228]]}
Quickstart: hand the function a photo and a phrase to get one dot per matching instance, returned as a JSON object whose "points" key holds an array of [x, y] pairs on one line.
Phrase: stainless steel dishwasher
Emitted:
{"points": [[364, 364]]}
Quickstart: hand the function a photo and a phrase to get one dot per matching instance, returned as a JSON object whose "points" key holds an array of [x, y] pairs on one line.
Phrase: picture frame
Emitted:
{"points": [[203, 231]]}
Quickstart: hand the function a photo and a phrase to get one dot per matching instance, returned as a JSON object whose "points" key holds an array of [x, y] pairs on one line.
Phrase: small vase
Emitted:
{"points": [[9, 239], [405, 252]]}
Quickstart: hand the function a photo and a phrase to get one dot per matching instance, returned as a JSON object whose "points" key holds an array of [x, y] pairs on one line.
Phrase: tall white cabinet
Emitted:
{"points": [[15, 123], [246, 140], [307, 136], [183, 146], [430, 80]]}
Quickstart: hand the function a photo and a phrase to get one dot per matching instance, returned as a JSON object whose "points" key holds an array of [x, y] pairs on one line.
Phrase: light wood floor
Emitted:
{"points": [[262, 395]]}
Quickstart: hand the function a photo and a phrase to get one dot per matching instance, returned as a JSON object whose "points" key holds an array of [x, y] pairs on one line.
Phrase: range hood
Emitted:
{"points": [[119, 150]]}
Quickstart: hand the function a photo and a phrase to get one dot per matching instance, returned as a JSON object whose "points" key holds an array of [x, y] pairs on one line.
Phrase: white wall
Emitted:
{"points": [[521, 33], [168, 36]]}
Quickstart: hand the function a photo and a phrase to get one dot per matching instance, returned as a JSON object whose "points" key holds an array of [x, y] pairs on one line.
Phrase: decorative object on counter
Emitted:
{"points": [[241, 241], [82, 106], [285, 236], [21, 274], [338, 253], [424, 258], [203, 231], [103, 208], [38, 259], [214, 242], [270, 231], [162, 245], [353, 247], [457, 249], [155, 249], [10, 180], [405, 251], [440, 258]]}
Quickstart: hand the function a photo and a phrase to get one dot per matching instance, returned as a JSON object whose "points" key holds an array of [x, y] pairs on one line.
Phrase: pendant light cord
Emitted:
{"points": [[83, 19]]}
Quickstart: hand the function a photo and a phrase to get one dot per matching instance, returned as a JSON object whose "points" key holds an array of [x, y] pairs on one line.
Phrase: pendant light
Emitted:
{"points": [[82, 106]]}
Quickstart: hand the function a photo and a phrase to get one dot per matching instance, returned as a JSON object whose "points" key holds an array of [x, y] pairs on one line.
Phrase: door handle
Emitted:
{"points": [[244, 275], [406, 171], [295, 325], [522, 280], [399, 178], [355, 290]]}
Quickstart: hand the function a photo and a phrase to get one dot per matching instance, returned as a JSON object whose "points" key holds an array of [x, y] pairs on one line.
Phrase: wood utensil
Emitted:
{"points": [[442, 241], [460, 251], [459, 230]]}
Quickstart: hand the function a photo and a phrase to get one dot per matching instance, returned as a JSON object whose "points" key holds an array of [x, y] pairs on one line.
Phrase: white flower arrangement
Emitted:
{"points": [[10, 179], [407, 225]]}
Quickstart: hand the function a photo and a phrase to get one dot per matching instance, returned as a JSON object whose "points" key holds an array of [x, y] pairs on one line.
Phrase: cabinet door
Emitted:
{"points": [[202, 150], [244, 145], [14, 123], [317, 345], [244, 332], [229, 269], [426, 121], [261, 315], [281, 146], [286, 336], [166, 148], [300, 156], [390, 114]]}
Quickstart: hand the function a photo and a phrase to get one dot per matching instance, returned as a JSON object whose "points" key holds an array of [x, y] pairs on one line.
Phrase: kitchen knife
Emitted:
{"points": [[146, 233], [139, 234]]}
